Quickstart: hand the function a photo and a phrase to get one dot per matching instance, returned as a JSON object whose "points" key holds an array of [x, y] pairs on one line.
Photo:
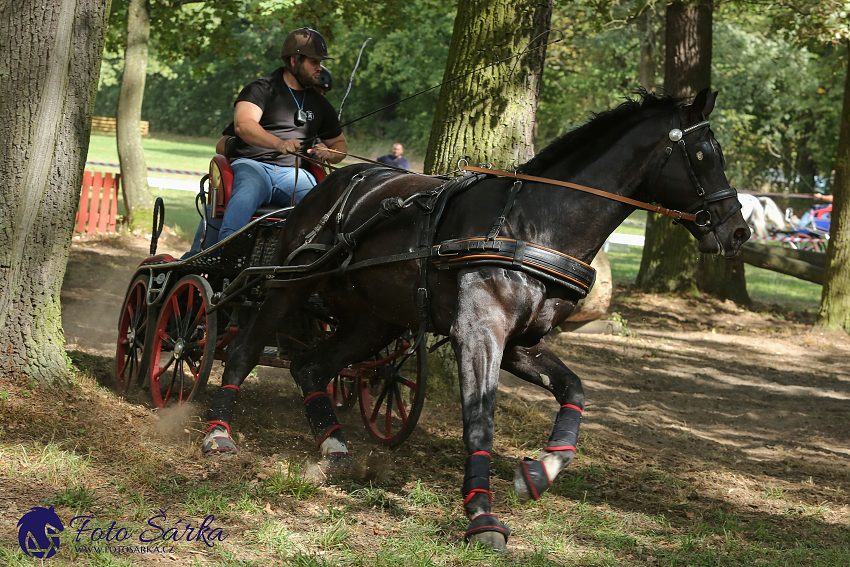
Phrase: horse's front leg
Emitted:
{"points": [[243, 354], [491, 305], [541, 366]]}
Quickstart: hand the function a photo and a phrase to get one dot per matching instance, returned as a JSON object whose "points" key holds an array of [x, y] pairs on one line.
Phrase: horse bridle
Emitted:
{"points": [[700, 206]]}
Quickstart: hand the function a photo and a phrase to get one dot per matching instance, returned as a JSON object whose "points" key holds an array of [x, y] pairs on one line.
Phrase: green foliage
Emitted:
{"points": [[77, 496], [195, 76], [780, 79], [779, 105], [290, 482]]}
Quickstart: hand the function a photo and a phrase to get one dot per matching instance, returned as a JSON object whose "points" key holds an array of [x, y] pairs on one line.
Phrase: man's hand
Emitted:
{"points": [[320, 152], [289, 146]]}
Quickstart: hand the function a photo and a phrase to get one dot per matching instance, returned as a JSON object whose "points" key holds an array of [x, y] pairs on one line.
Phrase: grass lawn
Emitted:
{"points": [[172, 152]]}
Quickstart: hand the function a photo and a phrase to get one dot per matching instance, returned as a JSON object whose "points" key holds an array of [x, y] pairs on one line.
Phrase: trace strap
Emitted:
{"points": [[678, 215]]}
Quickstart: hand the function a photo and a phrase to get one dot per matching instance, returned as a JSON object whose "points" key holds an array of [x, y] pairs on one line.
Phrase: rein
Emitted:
{"points": [[640, 204]]}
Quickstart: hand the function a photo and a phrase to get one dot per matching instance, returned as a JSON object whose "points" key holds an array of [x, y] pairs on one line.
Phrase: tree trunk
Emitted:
{"points": [[134, 173], [670, 259], [50, 67], [648, 65], [489, 115], [834, 312]]}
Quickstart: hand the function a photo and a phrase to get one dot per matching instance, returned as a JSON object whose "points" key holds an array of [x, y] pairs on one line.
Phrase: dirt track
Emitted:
{"points": [[698, 381]]}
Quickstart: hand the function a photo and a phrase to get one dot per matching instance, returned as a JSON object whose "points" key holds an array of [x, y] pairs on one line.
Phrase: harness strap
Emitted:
{"points": [[497, 226], [538, 261], [429, 220], [678, 215], [691, 174], [351, 184]]}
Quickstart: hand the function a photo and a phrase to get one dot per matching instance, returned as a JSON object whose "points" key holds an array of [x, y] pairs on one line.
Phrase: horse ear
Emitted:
{"points": [[703, 105], [709, 103]]}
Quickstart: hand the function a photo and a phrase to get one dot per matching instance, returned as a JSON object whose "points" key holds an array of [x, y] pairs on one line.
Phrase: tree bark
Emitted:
{"points": [[648, 65], [834, 312], [671, 261], [489, 115], [134, 173], [50, 67]]}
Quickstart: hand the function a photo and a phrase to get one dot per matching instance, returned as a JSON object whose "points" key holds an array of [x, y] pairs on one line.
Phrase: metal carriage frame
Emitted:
{"points": [[179, 316]]}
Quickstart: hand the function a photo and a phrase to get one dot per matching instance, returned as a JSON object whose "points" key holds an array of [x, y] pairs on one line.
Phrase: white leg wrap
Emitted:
{"points": [[331, 445]]}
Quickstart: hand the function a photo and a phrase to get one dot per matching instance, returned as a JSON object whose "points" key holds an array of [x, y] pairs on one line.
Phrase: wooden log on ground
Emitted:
{"points": [[760, 257], [810, 256], [595, 305]]}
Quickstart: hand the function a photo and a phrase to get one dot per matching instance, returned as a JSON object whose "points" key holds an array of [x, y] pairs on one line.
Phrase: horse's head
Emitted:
{"points": [[690, 177]]}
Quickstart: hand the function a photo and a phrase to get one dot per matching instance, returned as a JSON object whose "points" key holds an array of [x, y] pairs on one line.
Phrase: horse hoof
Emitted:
{"points": [[521, 487], [492, 540], [218, 445], [530, 480]]}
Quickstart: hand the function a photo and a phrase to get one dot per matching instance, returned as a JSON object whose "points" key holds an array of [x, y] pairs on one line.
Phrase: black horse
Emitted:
{"points": [[496, 314]]}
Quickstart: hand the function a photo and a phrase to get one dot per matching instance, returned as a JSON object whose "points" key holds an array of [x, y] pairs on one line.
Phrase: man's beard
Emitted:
{"points": [[303, 76]]}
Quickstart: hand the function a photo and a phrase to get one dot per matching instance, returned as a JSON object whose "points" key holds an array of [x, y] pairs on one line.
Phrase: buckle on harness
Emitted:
{"points": [[441, 253], [707, 220]]}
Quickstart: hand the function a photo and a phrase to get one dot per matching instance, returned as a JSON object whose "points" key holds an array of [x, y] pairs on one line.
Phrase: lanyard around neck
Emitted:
{"points": [[300, 106]]}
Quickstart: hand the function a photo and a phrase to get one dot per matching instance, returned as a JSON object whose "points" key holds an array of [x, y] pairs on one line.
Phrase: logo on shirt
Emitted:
{"points": [[310, 115]]}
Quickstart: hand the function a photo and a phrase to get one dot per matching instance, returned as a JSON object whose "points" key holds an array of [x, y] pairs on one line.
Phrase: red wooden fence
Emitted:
{"points": [[98, 203]]}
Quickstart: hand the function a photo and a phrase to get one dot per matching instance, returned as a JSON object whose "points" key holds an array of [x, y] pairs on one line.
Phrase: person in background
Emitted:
{"points": [[325, 82], [395, 159]]}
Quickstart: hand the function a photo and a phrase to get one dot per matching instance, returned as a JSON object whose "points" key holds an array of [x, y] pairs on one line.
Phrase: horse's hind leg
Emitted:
{"points": [[353, 341], [243, 354], [541, 366]]}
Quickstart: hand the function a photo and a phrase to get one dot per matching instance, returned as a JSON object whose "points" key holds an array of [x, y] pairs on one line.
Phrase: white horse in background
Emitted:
{"points": [[773, 216], [761, 213], [753, 212]]}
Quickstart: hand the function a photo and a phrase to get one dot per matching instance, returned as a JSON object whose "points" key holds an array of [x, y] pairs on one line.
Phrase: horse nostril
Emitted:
{"points": [[740, 233]]}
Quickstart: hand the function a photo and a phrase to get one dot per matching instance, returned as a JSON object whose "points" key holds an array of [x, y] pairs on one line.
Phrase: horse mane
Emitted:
{"points": [[598, 126]]}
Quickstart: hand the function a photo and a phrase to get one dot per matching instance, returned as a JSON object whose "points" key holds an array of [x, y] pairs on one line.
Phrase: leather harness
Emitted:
{"points": [[551, 266]]}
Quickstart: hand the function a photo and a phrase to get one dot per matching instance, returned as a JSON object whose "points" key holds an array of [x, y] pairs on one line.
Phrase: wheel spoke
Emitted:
{"points": [[197, 320], [164, 337], [162, 370], [402, 413], [175, 313], [182, 383], [388, 428], [379, 402]]}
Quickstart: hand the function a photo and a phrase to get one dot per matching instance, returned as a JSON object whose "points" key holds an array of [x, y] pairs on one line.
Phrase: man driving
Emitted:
{"points": [[273, 116]]}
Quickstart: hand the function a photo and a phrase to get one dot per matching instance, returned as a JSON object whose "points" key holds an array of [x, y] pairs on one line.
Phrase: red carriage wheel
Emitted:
{"points": [[392, 399], [131, 357], [183, 344], [343, 392]]}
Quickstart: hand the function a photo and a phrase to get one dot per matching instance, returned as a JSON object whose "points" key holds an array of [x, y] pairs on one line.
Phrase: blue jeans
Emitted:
{"points": [[213, 226], [256, 184]]}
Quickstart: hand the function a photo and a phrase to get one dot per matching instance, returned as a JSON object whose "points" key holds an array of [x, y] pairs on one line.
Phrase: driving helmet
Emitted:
{"points": [[325, 80], [305, 41]]}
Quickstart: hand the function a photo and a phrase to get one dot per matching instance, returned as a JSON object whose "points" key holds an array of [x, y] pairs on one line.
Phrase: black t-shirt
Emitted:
{"points": [[279, 106]]}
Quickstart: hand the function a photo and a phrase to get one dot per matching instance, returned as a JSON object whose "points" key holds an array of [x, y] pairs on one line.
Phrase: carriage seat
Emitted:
{"points": [[221, 187]]}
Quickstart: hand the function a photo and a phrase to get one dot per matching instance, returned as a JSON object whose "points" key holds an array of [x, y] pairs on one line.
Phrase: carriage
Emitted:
{"points": [[179, 315]]}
